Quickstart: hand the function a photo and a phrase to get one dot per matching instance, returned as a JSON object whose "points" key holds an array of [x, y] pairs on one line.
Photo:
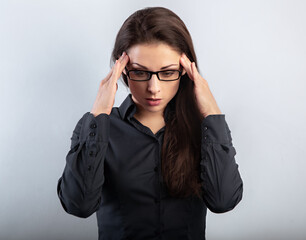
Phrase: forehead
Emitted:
{"points": [[154, 55]]}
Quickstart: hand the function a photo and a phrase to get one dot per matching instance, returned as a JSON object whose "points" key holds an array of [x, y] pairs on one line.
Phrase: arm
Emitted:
{"points": [[80, 187], [220, 177]]}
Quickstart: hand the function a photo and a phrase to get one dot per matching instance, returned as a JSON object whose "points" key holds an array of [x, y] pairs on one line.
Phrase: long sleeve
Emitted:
{"points": [[221, 181], [80, 186]]}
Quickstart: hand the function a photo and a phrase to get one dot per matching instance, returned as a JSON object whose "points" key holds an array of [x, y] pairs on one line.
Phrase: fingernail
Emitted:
{"points": [[123, 54]]}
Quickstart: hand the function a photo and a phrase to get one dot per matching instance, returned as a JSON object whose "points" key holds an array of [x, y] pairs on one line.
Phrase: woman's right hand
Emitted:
{"points": [[108, 86]]}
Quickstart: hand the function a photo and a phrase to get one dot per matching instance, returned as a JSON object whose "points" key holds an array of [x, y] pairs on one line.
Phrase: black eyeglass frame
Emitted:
{"points": [[151, 73]]}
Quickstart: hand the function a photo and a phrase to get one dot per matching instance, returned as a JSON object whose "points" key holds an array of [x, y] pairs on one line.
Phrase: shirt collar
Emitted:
{"points": [[128, 108]]}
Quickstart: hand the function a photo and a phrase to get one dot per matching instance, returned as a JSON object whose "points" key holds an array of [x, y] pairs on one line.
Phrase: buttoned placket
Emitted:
{"points": [[206, 140], [91, 151], [157, 138], [205, 130], [158, 201]]}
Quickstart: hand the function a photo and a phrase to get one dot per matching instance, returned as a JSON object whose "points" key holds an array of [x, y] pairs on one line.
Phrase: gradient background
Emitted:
{"points": [[53, 55]]}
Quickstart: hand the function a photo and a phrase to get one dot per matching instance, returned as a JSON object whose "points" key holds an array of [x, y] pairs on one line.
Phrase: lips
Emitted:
{"points": [[153, 101]]}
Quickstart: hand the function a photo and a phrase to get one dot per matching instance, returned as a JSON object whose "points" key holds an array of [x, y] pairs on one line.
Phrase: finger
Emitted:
{"points": [[125, 59], [122, 57], [108, 75], [194, 69], [115, 71], [195, 72], [120, 65], [185, 62]]}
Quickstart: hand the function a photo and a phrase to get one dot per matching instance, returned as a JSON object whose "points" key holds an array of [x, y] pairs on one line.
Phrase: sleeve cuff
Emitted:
{"points": [[95, 128], [215, 129]]}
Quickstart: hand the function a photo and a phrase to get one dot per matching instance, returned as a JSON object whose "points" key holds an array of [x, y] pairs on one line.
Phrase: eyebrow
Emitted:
{"points": [[161, 68]]}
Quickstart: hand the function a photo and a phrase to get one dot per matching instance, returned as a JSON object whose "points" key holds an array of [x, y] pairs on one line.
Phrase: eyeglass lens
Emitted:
{"points": [[165, 75]]}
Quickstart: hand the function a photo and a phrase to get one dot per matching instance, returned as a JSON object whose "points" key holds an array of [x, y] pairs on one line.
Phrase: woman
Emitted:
{"points": [[151, 167]]}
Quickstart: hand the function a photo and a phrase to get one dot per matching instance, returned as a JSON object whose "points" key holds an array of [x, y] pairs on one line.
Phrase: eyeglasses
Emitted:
{"points": [[142, 75]]}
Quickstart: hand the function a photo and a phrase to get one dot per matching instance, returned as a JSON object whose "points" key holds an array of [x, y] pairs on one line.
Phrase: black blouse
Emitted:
{"points": [[113, 169]]}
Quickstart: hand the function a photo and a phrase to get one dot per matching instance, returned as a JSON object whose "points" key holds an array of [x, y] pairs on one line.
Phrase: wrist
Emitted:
{"points": [[98, 113]]}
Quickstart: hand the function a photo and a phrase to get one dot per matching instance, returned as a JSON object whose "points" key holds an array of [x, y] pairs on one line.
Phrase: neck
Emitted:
{"points": [[142, 114], [153, 120]]}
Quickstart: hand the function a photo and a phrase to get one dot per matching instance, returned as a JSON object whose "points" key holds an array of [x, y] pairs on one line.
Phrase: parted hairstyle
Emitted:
{"points": [[181, 152]]}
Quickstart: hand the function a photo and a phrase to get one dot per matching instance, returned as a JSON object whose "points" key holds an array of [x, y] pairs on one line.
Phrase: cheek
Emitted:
{"points": [[175, 88], [135, 87], [170, 89]]}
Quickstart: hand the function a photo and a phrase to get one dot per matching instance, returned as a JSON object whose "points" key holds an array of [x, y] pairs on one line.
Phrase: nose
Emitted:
{"points": [[154, 84]]}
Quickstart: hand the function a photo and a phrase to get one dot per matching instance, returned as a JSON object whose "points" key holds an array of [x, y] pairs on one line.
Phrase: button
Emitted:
{"points": [[89, 168], [155, 169], [205, 128], [93, 125], [92, 134], [91, 153], [205, 137]]}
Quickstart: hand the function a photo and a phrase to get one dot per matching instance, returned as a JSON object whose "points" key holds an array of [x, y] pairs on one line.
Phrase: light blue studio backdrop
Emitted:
{"points": [[53, 55]]}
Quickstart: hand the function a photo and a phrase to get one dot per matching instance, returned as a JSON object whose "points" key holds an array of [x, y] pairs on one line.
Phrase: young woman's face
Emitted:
{"points": [[153, 57]]}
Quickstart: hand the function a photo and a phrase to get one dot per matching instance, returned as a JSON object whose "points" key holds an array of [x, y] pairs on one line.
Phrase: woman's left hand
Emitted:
{"points": [[206, 101]]}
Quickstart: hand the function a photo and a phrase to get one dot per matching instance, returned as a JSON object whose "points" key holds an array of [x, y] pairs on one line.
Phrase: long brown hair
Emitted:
{"points": [[182, 138]]}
